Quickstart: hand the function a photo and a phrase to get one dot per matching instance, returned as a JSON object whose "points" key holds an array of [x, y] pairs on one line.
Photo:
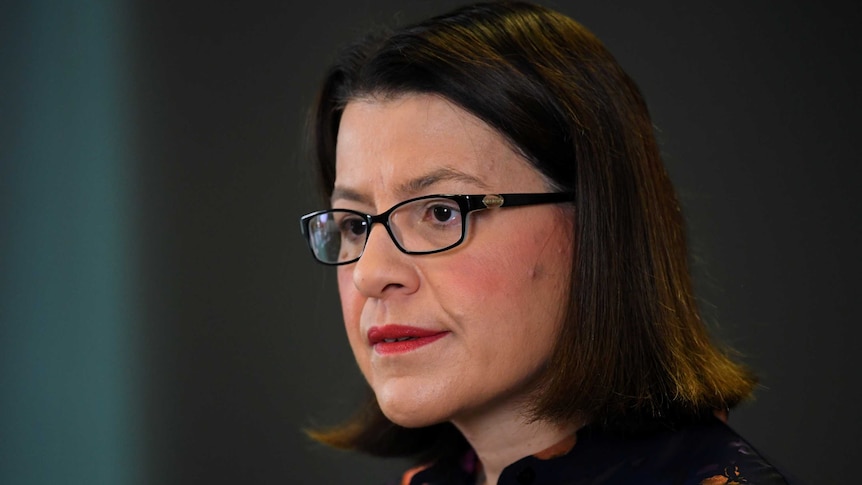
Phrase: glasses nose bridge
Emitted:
{"points": [[383, 220]]}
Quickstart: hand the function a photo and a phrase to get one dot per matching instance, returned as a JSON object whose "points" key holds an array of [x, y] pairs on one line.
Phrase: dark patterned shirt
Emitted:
{"points": [[709, 453]]}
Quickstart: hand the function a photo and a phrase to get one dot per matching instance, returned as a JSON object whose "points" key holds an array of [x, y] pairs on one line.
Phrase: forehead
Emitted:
{"points": [[412, 142]]}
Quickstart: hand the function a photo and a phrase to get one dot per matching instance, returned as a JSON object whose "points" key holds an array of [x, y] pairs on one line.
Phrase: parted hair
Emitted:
{"points": [[633, 352]]}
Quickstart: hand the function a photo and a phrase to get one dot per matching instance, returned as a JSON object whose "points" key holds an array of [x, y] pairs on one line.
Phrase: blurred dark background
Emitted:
{"points": [[162, 320]]}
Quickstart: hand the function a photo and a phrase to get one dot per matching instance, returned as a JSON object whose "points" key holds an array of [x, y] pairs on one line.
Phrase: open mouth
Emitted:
{"points": [[402, 339], [395, 339]]}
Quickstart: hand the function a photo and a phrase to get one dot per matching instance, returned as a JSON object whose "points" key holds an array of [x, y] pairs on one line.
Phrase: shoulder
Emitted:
{"points": [[714, 454], [704, 453]]}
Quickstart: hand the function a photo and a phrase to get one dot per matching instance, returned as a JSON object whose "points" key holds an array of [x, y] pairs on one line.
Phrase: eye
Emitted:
{"points": [[442, 213], [352, 226]]}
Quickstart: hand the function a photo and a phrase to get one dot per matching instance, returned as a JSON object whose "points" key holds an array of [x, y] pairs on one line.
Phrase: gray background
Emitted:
{"points": [[232, 340]]}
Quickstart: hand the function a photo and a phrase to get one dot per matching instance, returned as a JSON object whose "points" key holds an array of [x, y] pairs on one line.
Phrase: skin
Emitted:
{"points": [[499, 296]]}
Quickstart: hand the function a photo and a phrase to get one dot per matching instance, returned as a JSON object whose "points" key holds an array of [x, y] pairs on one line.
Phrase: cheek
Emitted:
{"points": [[351, 309], [514, 286], [479, 288], [470, 285], [506, 271], [346, 292]]}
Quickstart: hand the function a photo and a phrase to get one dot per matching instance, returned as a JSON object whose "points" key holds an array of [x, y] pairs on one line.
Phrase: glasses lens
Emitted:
{"points": [[426, 225], [336, 236]]}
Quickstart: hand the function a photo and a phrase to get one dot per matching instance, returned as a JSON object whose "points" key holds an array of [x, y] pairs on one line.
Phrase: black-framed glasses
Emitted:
{"points": [[424, 225]]}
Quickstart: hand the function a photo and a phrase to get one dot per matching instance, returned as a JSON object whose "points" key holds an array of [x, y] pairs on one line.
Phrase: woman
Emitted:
{"points": [[524, 312]]}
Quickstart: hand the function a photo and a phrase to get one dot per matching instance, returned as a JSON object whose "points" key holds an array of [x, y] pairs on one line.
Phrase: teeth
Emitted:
{"points": [[392, 340]]}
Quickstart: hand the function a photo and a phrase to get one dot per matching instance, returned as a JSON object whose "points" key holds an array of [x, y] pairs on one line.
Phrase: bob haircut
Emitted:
{"points": [[633, 353]]}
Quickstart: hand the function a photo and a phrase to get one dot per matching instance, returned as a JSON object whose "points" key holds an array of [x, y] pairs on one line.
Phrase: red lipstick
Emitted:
{"points": [[396, 339]]}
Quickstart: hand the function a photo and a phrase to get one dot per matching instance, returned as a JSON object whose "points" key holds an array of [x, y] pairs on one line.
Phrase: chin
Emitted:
{"points": [[408, 411], [411, 420]]}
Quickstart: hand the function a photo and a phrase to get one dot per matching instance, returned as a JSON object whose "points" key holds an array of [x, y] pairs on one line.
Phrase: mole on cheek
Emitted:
{"points": [[536, 272]]}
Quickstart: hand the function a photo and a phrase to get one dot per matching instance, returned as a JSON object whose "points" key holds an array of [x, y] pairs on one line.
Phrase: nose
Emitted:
{"points": [[383, 268]]}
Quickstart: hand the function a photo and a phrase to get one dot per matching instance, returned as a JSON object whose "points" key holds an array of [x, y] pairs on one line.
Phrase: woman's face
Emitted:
{"points": [[487, 311]]}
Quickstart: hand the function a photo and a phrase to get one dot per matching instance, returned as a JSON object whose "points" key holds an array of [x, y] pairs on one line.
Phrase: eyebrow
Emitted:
{"points": [[445, 174], [348, 194], [413, 186]]}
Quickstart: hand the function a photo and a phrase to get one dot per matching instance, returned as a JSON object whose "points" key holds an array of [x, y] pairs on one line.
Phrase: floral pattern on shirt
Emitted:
{"points": [[731, 476]]}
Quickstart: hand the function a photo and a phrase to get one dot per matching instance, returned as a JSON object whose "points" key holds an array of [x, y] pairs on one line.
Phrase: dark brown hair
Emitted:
{"points": [[633, 351]]}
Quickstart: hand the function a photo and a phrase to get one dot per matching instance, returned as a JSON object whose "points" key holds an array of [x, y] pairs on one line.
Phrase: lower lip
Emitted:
{"points": [[389, 348]]}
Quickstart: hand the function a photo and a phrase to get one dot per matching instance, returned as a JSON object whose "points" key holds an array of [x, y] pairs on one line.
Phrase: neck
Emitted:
{"points": [[502, 438]]}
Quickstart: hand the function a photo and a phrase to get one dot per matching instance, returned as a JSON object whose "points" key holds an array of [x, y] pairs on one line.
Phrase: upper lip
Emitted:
{"points": [[379, 334]]}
